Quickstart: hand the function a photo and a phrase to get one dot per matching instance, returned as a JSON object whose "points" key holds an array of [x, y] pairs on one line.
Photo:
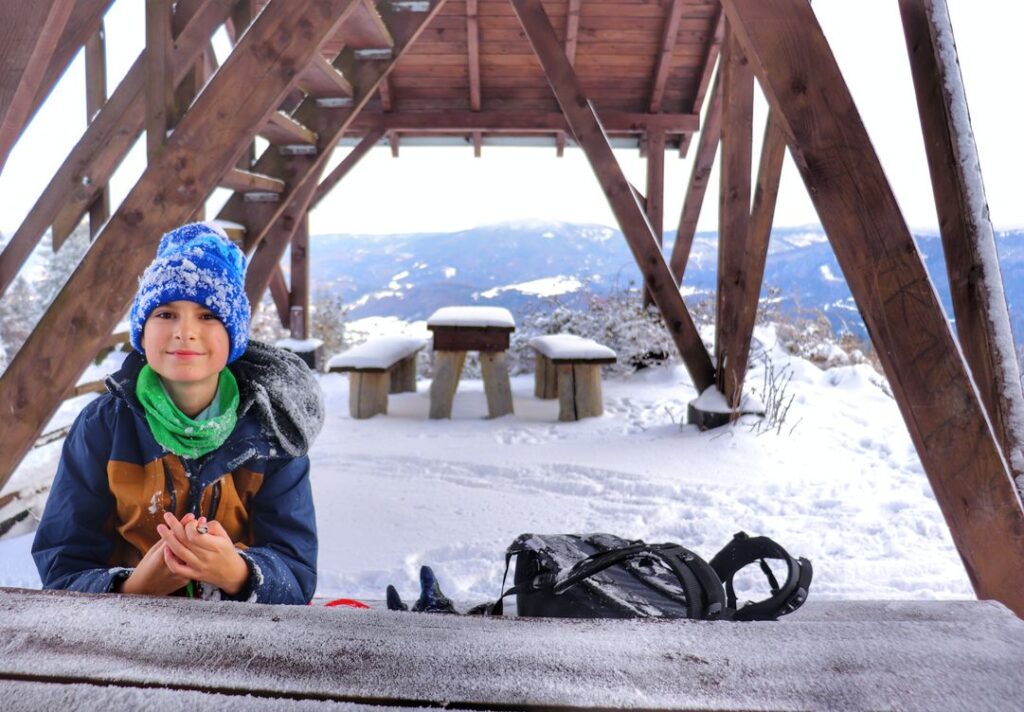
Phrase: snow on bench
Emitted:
{"points": [[569, 367], [107, 651], [376, 367]]}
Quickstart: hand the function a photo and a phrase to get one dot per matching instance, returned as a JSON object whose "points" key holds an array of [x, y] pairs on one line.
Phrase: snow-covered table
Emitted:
{"points": [[98, 652], [461, 329]]}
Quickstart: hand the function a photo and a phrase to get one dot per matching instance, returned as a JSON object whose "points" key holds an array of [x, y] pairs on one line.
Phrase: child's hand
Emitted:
{"points": [[152, 576], [210, 557]]}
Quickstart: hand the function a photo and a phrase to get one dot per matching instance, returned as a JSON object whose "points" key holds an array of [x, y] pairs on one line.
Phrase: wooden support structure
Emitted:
{"points": [[572, 33], [159, 63], [733, 213], [521, 122], [585, 125], [329, 124], [104, 144], [206, 143], [975, 283], [30, 34], [929, 379], [654, 205], [707, 148], [347, 164], [298, 301], [664, 66], [711, 54], [279, 293], [95, 98]]}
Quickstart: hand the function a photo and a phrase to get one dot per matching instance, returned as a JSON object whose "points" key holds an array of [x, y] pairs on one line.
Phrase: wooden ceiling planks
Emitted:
{"points": [[475, 56]]}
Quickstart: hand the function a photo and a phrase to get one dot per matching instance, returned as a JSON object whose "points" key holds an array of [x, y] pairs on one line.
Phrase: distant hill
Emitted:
{"points": [[519, 265]]}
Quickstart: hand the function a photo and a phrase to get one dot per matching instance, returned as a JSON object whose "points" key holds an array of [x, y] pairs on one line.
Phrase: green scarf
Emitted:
{"points": [[176, 431]]}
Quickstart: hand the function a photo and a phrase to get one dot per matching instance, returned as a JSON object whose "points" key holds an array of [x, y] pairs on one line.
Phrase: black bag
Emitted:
{"points": [[604, 576]]}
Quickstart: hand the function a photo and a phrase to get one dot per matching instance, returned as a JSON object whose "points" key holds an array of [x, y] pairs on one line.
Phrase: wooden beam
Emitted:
{"points": [[95, 98], [707, 148], [664, 65], [30, 32], [655, 203], [735, 331], [521, 122], [83, 24], [104, 144], [572, 31], [206, 143], [733, 209], [903, 315], [321, 79], [246, 182], [347, 164], [710, 60], [160, 111], [385, 95], [298, 298], [473, 50], [478, 143], [330, 124], [279, 293], [282, 129], [968, 240], [393, 142], [587, 128]]}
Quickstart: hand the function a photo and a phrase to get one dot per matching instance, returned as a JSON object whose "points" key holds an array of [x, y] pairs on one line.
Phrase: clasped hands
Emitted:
{"points": [[189, 549]]}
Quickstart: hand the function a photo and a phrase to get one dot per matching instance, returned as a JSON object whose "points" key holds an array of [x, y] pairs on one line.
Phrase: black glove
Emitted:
{"points": [[431, 599]]}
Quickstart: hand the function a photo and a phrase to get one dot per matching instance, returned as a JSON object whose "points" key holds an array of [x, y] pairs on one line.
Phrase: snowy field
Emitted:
{"points": [[838, 483]]}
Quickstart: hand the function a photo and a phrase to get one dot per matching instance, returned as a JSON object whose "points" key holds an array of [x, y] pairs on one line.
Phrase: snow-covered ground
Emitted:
{"points": [[838, 483]]}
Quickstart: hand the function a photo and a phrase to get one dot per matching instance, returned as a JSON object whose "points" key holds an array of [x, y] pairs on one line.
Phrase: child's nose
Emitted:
{"points": [[186, 327]]}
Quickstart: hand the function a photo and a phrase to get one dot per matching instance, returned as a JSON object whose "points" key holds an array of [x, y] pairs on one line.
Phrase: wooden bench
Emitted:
{"points": [[377, 367], [569, 367]]}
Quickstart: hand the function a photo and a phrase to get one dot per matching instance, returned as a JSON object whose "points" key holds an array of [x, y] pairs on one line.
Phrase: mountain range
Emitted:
{"points": [[525, 266]]}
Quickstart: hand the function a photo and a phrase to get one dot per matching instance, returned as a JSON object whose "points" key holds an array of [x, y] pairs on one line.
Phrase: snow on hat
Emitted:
{"points": [[196, 263]]}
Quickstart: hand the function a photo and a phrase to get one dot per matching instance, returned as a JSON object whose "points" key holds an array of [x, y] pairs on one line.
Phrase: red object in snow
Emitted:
{"points": [[349, 602]]}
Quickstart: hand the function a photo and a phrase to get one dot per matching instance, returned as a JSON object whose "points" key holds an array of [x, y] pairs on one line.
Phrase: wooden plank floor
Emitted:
{"points": [[122, 652]]}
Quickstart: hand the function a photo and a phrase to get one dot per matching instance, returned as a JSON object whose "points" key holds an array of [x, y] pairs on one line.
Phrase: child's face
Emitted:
{"points": [[185, 343]]}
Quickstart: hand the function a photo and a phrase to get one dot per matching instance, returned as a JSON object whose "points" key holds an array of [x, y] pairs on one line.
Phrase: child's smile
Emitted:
{"points": [[187, 345]]}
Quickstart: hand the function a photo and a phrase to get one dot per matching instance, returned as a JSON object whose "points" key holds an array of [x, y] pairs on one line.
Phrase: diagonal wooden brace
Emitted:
{"points": [[888, 279], [591, 138]]}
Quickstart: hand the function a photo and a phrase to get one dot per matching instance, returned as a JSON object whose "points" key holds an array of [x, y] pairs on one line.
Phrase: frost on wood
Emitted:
{"points": [[990, 279]]}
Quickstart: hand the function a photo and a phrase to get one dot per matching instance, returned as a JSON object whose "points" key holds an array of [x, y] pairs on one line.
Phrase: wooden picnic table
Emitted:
{"points": [[107, 651], [458, 330]]}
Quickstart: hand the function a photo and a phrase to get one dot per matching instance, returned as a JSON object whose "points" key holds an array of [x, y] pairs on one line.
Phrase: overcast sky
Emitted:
{"points": [[437, 189]]}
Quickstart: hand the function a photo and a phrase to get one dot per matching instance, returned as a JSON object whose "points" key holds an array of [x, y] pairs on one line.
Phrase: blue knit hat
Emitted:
{"points": [[196, 263]]}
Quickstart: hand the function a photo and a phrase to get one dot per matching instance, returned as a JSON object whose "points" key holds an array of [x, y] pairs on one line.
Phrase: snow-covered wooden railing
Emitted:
{"points": [[135, 652]]}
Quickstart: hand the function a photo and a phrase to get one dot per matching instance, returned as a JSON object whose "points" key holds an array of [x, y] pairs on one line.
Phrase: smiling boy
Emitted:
{"points": [[192, 470]]}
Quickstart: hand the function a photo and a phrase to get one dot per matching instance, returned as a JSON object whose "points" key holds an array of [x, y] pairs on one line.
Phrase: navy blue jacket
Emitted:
{"points": [[114, 483]]}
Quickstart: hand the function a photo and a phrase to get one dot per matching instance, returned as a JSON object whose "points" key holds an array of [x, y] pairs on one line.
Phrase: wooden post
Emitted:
{"points": [[975, 283], [545, 380], [247, 89], [707, 147], [497, 387], [299, 295], [734, 210], [655, 203], [874, 247], [95, 98], [582, 118], [32, 31], [368, 393], [403, 375], [579, 391], [447, 370], [159, 75]]}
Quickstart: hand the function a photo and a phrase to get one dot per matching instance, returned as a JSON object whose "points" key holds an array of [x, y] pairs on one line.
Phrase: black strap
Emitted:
{"points": [[744, 550]]}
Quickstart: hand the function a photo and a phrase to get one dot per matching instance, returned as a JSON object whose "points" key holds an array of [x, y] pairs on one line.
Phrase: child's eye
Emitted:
{"points": [[209, 316], [164, 315]]}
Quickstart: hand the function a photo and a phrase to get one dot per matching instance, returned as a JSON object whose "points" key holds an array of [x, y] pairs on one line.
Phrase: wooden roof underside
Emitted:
{"points": [[473, 70]]}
